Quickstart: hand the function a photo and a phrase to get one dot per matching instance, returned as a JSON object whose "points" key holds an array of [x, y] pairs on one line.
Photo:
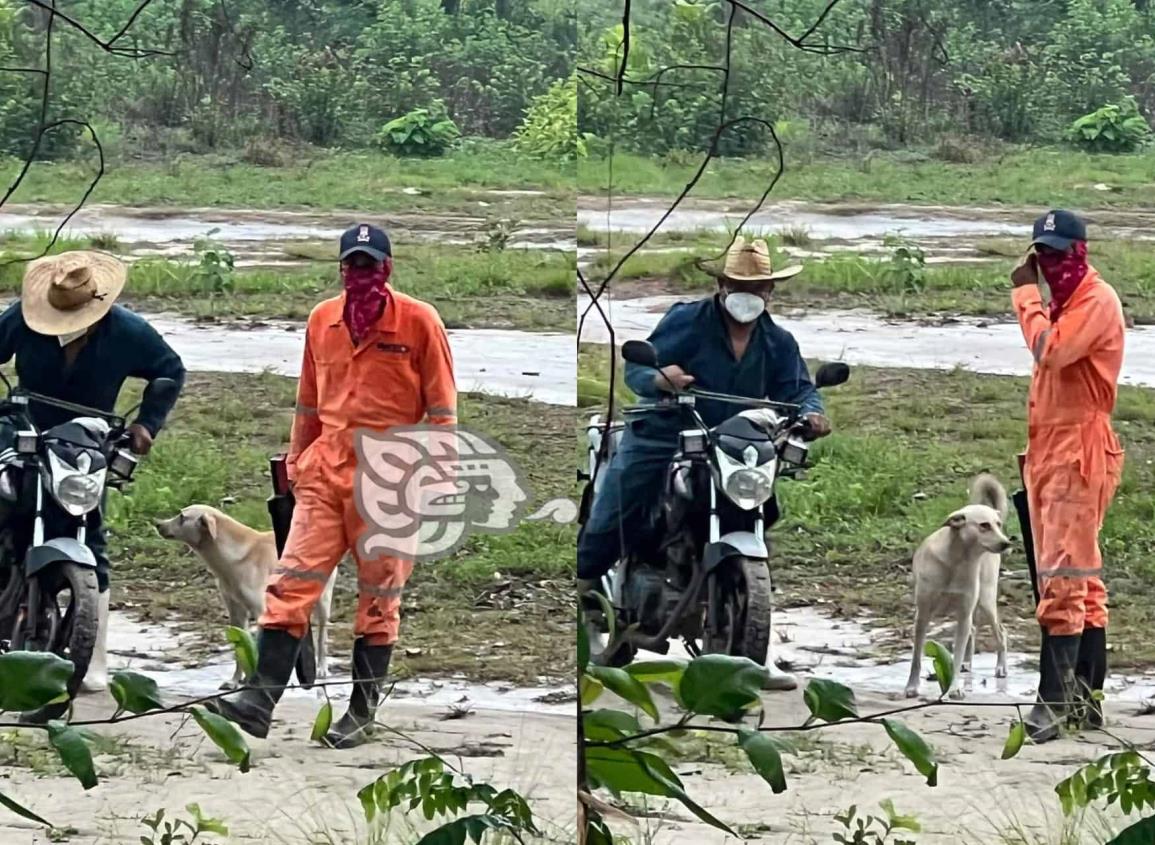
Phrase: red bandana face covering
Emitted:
{"points": [[365, 296], [1063, 272]]}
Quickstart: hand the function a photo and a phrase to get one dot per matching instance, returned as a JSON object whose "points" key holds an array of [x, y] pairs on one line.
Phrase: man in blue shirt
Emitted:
{"points": [[728, 344], [72, 343]]}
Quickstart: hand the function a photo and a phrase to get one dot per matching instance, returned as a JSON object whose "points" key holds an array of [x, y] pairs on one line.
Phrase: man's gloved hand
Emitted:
{"points": [[672, 374], [140, 439], [817, 425], [1027, 271]]}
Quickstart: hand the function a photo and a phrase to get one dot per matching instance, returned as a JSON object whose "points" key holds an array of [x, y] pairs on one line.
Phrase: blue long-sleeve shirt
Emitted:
{"points": [[694, 336], [123, 345]]}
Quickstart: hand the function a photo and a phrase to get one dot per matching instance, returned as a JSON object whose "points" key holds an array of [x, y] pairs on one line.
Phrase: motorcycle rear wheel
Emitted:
{"points": [[744, 587]]}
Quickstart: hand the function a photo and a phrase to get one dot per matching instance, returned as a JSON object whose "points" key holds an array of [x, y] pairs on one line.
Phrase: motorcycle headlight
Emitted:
{"points": [[748, 487], [77, 492]]}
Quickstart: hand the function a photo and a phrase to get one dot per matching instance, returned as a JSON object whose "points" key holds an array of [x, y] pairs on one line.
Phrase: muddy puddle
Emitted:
{"points": [[811, 644], [259, 238], [157, 650], [946, 234], [498, 362], [859, 337]]}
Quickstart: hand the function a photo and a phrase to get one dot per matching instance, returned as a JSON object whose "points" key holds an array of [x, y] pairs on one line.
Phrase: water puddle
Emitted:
{"points": [[253, 235], [946, 234], [498, 362], [859, 337], [814, 645], [155, 650]]}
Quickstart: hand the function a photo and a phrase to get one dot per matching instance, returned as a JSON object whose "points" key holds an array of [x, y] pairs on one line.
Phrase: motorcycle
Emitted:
{"points": [[48, 587], [705, 577]]}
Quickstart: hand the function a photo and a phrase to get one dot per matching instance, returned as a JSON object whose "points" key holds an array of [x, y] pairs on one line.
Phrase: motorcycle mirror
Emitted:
{"points": [[640, 352], [832, 375]]}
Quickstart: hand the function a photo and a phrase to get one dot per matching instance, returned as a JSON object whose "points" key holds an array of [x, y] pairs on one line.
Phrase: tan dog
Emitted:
{"points": [[956, 572], [242, 559]]}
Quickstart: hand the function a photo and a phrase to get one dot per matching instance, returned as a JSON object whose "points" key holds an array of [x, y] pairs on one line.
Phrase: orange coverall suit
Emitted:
{"points": [[401, 374], [1073, 460]]}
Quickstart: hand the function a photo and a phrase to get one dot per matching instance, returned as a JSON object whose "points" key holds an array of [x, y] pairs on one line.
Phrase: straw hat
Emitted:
{"points": [[71, 291], [750, 262]]}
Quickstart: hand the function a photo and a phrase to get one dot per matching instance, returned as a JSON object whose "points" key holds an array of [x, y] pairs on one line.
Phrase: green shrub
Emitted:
{"points": [[1112, 129], [423, 132], [549, 130]]}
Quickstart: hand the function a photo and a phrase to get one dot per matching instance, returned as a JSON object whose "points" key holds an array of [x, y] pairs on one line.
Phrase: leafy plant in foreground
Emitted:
{"points": [[861, 831], [181, 831], [1112, 129]]}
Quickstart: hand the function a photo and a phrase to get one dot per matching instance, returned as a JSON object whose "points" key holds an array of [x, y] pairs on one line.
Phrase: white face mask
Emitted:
{"points": [[744, 307], [66, 339]]}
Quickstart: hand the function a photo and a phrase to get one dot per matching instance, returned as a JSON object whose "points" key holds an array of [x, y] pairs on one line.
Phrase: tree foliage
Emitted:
{"points": [[1010, 70]]}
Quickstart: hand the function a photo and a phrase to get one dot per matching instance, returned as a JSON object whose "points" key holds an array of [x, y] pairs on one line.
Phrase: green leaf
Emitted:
{"points": [[245, 648], [624, 685], [608, 725], [915, 749], [1140, 833], [29, 680], [323, 722], [225, 736], [134, 692], [943, 664], [624, 770], [1015, 740], [21, 811], [830, 701], [721, 685], [74, 753], [589, 689], [206, 825], [899, 822], [658, 671], [763, 754]]}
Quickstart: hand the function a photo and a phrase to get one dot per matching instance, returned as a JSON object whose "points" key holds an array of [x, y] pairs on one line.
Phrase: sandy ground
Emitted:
{"points": [[977, 799], [297, 793]]}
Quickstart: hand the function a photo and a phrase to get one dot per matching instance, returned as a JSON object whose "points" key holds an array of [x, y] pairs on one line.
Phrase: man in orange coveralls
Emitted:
{"points": [[1073, 461], [374, 359]]}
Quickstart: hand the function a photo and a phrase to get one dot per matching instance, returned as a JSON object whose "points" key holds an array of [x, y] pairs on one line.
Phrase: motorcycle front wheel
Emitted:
{"points": [[69, 616], [742, 588]]}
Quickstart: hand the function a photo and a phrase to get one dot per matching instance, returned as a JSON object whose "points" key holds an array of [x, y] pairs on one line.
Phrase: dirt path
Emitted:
{"points": [[978, 800], [297, 793]]}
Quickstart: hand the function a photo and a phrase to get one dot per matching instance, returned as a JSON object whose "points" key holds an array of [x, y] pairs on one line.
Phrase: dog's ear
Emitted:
{"points": [[209, 524], [955, 521]]}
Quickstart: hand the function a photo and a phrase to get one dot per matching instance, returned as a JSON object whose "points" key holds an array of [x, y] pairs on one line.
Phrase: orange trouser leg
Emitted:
{"points": [[315, 545], [380, 581], [1067, 514]]}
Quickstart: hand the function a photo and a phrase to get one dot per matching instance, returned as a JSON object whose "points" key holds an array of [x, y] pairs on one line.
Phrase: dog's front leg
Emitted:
{"points": [[238, 618], [921, 624], [962, 638]]}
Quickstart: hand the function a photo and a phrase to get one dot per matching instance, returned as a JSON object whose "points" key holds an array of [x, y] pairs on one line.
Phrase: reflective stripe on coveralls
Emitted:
{"points": [[1074, 460], [401, 374]]}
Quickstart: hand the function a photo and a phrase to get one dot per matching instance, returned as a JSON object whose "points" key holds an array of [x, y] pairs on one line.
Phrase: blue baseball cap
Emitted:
{"points": [[1059, 229], [367, 239]]}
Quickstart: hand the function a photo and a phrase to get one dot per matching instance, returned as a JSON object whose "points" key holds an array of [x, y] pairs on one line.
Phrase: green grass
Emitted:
{"points": [[215, 451], [877, 283], [525, 289], [906, 443], [1036, 177], [315, 179]]}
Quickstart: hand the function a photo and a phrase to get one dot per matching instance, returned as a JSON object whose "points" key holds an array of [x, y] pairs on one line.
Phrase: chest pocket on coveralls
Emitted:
{"points": [[391, 379]]}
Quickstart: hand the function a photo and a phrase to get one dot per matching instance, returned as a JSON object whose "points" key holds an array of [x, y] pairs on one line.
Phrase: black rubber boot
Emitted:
{"points": [[370, 666], [1057, 687], [1091, 672], [252, 708]]}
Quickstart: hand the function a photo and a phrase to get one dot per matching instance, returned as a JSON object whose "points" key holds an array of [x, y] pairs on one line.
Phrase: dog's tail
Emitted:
{"points": [[986, 490]]}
